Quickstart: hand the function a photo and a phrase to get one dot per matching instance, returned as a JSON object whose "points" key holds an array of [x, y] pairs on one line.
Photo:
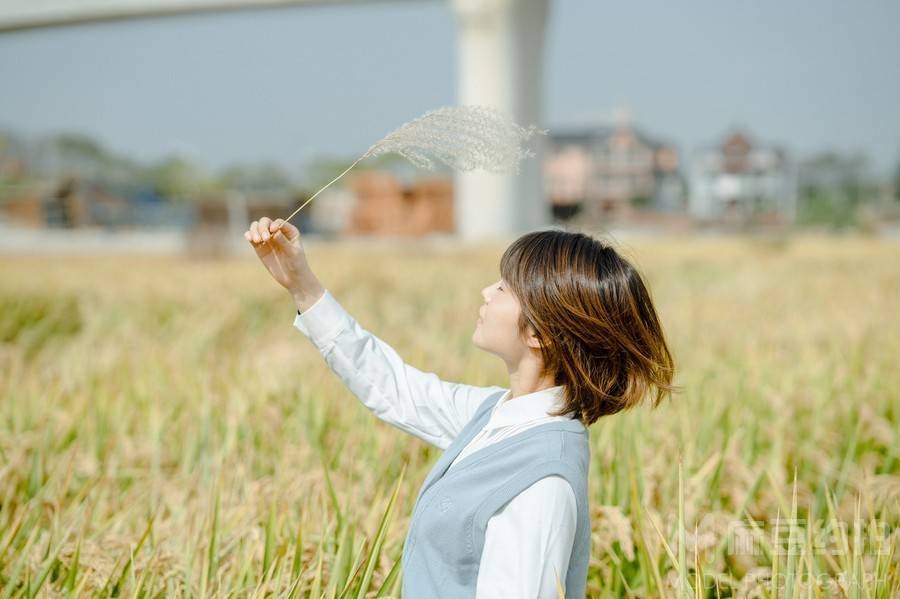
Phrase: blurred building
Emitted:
{"points": [[606, 171], [70, 202], [331, 211], [742, 179], [386, 205]]}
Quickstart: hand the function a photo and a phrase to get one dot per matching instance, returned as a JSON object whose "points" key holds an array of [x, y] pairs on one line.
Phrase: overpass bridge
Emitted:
{"points": [[499, 63]]}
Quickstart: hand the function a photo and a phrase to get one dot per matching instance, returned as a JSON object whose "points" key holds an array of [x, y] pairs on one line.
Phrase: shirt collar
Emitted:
{"points": [[526, 408]]}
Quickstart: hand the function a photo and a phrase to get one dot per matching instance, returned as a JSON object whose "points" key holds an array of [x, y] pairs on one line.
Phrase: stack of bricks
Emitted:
{"points": [[385, 206]]}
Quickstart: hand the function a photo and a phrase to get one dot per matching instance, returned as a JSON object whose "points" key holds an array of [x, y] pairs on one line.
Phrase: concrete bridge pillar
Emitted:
{"points": [[500, 64]]}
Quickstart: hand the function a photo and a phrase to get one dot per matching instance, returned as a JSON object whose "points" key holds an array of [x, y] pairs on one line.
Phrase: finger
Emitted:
{"points": [[249, 237], [276, 229], [264, 228], [290, 231], [262, 250], [279, 238]]}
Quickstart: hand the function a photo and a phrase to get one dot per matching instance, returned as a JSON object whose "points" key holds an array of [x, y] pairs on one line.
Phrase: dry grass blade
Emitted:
{"points": [[559, 588]]}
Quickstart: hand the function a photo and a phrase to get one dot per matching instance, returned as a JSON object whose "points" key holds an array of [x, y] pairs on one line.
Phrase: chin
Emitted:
{"points": [[475, 340], [480, 346]]}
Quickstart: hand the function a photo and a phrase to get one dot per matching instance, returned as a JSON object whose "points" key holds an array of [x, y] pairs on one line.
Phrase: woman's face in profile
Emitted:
{"points": [[496, 330]]}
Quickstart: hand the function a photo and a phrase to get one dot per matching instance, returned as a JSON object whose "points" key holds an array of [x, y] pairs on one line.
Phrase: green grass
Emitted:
{"points": [[164, 431]]}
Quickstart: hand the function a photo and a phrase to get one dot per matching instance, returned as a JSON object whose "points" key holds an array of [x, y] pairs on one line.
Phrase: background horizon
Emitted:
{"points": [[271, 85]]}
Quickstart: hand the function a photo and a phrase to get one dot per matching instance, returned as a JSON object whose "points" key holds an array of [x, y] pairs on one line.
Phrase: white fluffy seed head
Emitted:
{"points": [[463, 137]]}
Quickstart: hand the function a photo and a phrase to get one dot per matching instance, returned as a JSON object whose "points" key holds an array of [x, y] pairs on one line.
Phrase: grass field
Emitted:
{"points": [[165, 431]]}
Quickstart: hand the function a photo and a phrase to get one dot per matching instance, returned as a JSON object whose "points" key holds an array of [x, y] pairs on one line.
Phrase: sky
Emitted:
{"points": [[288, 84]]}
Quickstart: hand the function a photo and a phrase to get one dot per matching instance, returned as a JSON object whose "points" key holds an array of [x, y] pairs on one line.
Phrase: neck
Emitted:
{"points": [[525, 379]]}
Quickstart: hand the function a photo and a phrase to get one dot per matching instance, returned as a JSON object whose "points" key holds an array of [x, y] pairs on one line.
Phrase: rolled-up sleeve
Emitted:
{"points": [[410, 399]]}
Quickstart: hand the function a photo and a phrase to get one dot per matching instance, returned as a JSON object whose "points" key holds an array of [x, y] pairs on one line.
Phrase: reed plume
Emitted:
{"points": [[462, 137]]}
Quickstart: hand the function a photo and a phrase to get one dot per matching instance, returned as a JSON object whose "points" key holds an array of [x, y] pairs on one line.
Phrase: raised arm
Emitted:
{"points": [[412, 400], [415, 401]]}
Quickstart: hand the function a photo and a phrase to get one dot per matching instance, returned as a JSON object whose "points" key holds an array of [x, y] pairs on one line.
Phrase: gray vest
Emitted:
{"points": [[442, 550]]}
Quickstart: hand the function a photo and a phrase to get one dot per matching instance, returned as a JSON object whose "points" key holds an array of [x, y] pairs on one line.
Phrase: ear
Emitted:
{"points": [[532, 341]]}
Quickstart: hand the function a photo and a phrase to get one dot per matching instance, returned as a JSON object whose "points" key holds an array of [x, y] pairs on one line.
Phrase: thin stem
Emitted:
{"points": [[321, 190]]}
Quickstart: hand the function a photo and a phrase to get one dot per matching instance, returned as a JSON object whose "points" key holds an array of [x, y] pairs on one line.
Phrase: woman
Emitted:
{"points": [[504, 511]]}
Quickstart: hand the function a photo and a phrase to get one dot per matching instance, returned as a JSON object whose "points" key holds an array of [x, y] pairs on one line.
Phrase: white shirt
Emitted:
{"points": [[529, 540]]}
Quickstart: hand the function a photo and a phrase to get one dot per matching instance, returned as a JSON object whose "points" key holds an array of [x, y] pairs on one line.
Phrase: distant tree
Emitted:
{"points": [[76, 154], [174, 177], [11, 145], [641, 201], [322, 169], [80, 145], [121, 169], [266, 178], [832, 187], [12, 159], [897, 181]]}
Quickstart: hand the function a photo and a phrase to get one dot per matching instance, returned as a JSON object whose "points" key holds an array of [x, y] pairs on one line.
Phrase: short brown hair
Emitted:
{"points": [[599, 333]]}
